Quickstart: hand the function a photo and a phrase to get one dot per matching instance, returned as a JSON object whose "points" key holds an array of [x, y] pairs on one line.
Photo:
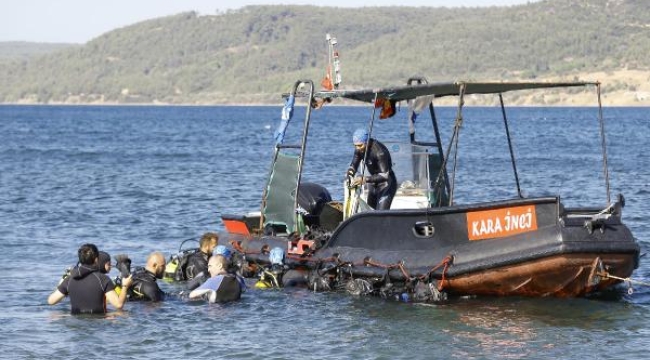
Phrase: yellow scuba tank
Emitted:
{"points": [[177, 264], [262, 283], [118, 284], [170, 269], [272, 277], [268, 280]]}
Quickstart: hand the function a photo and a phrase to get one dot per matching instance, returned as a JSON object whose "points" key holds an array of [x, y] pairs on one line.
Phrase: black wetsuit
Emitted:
{"points": [[226, 287], [382, 183], [86, 287], [145, 287], [197, 263]]}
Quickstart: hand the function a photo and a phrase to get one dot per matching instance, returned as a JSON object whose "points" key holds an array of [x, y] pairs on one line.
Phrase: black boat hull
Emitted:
{"points": [[529, 247]]}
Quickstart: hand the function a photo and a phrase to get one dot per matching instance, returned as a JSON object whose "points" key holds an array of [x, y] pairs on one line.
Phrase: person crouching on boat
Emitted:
{"points": [[381, 182], [221, 286]]}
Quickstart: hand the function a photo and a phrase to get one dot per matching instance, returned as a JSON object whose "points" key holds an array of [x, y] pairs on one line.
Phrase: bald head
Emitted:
{"points": [[217, 265], [156, 264]]}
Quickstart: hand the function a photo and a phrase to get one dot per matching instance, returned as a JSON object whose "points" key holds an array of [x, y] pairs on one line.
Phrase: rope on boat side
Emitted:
{"points": [[448, 260], [627, 280], [444, 263]]}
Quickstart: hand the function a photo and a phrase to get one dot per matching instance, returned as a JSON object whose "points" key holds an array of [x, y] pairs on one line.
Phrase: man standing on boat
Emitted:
{"points": [[381, 182]]}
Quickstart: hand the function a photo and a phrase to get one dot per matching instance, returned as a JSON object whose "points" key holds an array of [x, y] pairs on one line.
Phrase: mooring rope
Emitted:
{"points": [[627, 280]]}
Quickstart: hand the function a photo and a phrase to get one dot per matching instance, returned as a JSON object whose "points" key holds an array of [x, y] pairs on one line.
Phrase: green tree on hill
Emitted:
{"points": [[254, 53]]}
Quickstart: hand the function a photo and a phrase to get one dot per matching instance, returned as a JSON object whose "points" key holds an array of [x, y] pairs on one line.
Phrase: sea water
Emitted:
{"points": [[140, 179]]}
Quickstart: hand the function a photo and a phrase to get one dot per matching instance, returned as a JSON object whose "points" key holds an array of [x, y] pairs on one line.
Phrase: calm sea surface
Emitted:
{"points": [[138, 179]]}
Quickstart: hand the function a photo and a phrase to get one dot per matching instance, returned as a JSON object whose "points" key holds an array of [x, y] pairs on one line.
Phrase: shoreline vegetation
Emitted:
{"points": [[611, 95], [250, 56]]}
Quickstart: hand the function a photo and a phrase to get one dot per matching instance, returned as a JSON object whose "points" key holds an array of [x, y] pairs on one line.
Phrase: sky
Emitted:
{"points": [[78, 21]]}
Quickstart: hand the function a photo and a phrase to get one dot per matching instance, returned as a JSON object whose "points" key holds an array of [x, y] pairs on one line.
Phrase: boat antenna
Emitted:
{"points": [[332, 78]]}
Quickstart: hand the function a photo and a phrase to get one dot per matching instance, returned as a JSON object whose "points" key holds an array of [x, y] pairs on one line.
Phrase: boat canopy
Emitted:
{"points": [[408, 92]]}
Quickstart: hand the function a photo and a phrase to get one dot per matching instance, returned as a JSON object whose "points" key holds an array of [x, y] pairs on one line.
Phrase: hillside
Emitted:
{"points": [[253, 54], [26, 50]]}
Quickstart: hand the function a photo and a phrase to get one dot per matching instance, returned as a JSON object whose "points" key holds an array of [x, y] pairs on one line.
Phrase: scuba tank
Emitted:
{"points": [[271, 277], [176, 265], [175, 268]]}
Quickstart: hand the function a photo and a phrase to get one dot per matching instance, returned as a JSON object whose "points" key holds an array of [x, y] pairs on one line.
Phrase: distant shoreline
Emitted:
{"points": [[329, 105]]}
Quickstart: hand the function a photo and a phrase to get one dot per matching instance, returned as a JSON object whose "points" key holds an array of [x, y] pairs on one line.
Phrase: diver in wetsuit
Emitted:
{"points": [[87, 287], [382, 183], [197, 263], [145, 287], [221, 286]]}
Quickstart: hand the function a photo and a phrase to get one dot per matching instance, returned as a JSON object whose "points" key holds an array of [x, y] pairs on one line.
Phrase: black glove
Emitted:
{"points": [[123, 264]]}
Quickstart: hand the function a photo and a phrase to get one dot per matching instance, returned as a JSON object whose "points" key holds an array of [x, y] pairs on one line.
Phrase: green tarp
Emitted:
{"points": [[281, 193]]}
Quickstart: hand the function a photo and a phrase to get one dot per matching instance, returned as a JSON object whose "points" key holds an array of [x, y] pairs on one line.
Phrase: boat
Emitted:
{"points": [[428, 247]]}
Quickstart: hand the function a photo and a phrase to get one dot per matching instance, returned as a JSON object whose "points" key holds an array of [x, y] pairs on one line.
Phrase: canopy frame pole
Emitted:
{"points": [[454, 140], [303, 144], [366, 150], [443, 167], [603, 142], [512, 154], [370, 126], [436, 132]]}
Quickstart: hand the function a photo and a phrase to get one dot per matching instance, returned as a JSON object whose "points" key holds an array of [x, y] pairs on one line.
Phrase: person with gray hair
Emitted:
{"points": [[221, 286]]}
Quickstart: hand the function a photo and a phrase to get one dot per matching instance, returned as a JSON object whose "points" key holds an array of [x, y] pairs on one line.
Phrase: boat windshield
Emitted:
{"points": [[416, 168]]}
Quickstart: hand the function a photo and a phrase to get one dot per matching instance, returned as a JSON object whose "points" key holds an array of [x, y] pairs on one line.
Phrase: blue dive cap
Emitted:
{"points": [[276, 257], [360, 136], [222, 250]]}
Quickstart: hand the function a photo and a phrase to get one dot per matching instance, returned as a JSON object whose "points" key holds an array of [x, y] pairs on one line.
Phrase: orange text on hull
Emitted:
{"points": [[499, 223]]}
